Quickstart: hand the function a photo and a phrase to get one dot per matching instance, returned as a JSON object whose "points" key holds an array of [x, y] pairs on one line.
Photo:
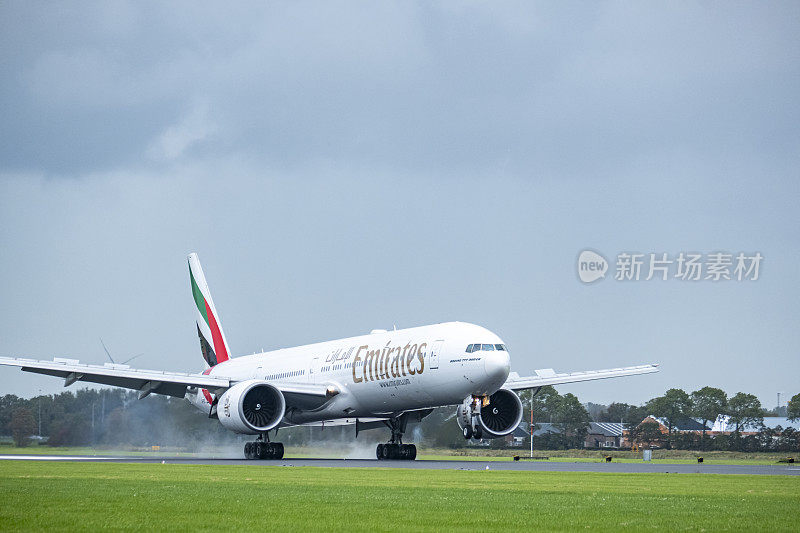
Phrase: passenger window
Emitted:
{"points": [[488, 347]]}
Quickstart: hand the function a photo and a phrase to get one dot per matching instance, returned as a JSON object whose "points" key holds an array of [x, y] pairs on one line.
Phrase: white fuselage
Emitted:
{"points": [[382, 373]]}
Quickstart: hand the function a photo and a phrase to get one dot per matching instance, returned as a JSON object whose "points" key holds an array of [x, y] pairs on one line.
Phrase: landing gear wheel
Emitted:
{"points": [[408, 452], [379, 451], [467, 432], [277, 452], [389, 451], [478, 433], [248, 450]]}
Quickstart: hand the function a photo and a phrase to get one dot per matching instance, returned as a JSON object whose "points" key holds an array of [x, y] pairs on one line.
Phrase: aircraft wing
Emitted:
{"points": [[145, 381], [175, 384], [548, 376]]}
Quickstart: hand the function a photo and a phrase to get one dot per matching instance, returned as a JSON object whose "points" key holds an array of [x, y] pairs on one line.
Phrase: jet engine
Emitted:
{"points": [[498, 418], [251, 407]]}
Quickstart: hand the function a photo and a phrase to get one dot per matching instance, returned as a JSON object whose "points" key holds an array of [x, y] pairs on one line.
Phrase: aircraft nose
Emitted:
{"points": [[497, 365]]}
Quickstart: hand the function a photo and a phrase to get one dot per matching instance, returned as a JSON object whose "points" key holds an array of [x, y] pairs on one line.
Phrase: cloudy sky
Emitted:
{"points": [[345, 166]]}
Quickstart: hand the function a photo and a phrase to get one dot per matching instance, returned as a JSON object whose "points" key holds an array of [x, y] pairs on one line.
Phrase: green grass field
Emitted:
{"points": [[88, 496]]}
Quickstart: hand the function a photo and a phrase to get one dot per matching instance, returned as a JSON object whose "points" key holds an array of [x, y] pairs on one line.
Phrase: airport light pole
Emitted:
{"points": [[531, 424], [40, 412]]}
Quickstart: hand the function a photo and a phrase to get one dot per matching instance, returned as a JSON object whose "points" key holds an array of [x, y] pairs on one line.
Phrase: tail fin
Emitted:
{"points": [[212, 338]]}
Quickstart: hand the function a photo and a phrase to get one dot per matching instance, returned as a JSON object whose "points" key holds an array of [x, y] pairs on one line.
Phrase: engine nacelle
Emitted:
{"points": [[499, 418], [251, 407]]}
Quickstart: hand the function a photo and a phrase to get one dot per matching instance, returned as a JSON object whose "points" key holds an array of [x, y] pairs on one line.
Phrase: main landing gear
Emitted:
{"points": [[263, 449], [395, 449]]}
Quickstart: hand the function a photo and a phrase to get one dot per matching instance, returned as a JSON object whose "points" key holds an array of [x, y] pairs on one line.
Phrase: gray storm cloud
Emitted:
{"points": [[344, 167]]}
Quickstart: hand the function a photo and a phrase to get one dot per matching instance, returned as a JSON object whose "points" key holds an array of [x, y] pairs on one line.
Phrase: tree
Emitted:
{"points": [[616, 412], [793, 408], [674, 406], [646, 433], [8, 404], [22, 426], [707, 404], [597, 412], [744, 410], [630, 415], [545, 403], [572, 419]]}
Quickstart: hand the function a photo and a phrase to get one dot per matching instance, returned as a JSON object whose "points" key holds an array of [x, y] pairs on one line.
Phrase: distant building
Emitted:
{"points": [[723, 425], [604, 435], [683, 425], [600, 434]]}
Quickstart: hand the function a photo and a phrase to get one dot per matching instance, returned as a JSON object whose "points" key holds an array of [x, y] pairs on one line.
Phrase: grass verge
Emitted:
{"points": [[340, 450], [88, 496]]}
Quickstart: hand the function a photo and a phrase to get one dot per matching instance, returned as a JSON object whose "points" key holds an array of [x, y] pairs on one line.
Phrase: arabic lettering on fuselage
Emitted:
{"points": [[375, 364]]}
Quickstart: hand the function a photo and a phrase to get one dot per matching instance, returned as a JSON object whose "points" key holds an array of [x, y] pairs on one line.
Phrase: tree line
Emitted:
{"points": [[675, 408], [744, 411], [89, 417]]}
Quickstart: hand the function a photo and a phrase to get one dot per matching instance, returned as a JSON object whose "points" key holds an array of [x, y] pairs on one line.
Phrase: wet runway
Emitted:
{"points": [[529, 466]]}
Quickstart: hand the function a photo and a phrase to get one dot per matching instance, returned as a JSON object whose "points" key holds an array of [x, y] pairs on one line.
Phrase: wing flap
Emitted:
{"points": [[550, 377]]}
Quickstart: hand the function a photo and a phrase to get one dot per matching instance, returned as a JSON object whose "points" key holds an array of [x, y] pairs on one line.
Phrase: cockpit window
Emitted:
{"points": [[486, 347]]}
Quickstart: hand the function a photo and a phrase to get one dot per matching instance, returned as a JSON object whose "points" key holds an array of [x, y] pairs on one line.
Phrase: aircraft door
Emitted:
{"points": [[313, 368], [433, 359]]}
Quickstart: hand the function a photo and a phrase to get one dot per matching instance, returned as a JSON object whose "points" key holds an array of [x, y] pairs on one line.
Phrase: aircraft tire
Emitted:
{"points": [[390, 451], [408, 452], [278, 451], [467, 432], [478, 433]]}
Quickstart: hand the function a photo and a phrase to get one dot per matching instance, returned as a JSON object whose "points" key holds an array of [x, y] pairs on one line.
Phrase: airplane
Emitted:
{"points": [[387, 378]]}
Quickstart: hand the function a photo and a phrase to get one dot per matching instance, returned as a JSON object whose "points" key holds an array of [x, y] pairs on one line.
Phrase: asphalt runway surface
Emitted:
{"points": [[523, 465]]}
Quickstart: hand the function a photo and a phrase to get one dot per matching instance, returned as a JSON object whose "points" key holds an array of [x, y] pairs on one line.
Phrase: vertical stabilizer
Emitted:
{"points": [[212, 339]]}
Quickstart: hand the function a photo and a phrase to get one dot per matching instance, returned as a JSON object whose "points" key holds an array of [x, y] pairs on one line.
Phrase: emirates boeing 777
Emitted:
{"points": [[383, 379]]}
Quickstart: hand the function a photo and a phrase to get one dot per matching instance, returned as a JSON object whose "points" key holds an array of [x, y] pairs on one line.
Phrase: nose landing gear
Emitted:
{"points": [[263, 449]]}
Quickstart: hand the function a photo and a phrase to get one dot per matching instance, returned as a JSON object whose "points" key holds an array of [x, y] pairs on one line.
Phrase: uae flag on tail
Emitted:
{"points": [[212, 338]]}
